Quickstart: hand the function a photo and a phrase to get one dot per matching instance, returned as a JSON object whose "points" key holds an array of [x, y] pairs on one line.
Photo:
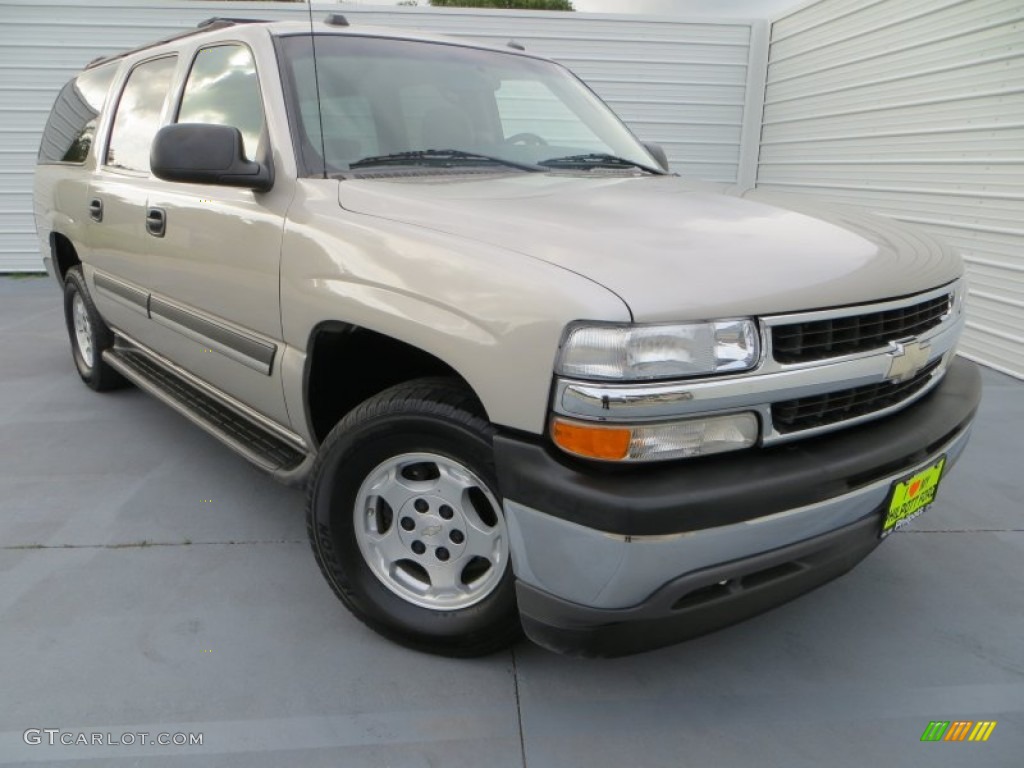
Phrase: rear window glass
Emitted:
{"points": [[71, 128]]}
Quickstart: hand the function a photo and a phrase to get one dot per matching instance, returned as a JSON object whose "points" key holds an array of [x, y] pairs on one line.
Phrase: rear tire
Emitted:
{"points": [[89, 335], [406, 523]]}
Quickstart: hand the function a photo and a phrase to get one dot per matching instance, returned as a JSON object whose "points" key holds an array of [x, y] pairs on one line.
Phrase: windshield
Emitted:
{"points": [[403, 101]]}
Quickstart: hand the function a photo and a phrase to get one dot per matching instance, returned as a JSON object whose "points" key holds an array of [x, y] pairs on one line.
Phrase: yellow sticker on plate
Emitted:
{"points": [[911, 496]]}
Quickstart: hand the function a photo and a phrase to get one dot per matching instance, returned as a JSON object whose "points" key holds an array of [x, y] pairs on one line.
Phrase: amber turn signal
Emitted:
{"points": [[590, 440]]}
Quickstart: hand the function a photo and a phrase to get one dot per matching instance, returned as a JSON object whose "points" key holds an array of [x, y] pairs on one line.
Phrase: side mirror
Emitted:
{"points": [[658, 154], [201, 153]]}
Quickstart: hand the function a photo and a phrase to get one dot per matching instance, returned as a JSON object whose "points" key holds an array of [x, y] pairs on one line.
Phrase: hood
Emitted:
{"points": [[672, 250]]}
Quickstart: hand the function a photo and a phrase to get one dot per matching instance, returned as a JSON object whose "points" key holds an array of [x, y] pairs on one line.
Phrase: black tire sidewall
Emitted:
{"points": [[100, 376], [74, 285], [344, 467]]}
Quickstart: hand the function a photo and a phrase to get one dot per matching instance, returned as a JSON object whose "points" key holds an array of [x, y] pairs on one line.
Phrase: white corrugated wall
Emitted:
{"points": [[682, 84], [915, 109]]}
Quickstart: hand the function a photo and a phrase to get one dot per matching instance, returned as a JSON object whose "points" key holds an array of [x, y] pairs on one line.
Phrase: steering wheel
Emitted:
{"points": [[527, 139]]}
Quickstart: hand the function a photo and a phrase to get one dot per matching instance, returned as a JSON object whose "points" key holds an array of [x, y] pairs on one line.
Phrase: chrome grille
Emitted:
{"points": [[833, 407], [832, 337]]}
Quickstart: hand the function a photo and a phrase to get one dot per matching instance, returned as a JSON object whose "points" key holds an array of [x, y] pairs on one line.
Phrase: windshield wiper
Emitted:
{"points": [[595, 160], [439, 157]]}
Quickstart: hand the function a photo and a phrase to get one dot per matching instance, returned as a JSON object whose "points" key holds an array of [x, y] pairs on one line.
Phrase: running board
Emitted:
{"points": [[244, 435]]}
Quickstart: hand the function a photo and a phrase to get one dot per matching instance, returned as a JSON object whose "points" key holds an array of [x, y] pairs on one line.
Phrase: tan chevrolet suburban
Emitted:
{"points": [[531, 379]]}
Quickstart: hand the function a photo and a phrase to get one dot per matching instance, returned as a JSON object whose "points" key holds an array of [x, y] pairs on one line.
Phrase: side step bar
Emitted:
{"points": [[286, 461]]}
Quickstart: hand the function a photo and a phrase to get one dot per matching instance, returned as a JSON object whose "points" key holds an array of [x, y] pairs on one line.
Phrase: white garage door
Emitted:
{"points": [[914, 108]]}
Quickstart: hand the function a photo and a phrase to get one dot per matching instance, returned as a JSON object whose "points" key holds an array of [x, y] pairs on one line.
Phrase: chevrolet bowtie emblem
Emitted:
{"points": [[907, 360]]}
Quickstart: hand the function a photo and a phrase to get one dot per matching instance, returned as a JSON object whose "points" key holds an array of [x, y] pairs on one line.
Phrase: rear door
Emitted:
{"points": [[118, 267]]}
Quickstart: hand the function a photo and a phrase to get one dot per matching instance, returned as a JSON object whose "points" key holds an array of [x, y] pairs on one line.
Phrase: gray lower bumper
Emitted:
{"points": [[610, 571], [700, 601]]}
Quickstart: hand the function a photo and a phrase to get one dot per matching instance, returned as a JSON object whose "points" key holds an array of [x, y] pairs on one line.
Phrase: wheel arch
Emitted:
{"points": [[331, 391], [64, 254]]}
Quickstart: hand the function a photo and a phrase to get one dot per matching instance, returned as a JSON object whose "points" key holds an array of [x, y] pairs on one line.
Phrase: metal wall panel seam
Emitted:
{"points": [[964, 225], [989, 330], [896, 134], [997, 298], [949, 19], [931, 161], [889, 51], [780, 20], [1010, 267], [901, 105], [753, 109], [900, 77], [871, 30]]}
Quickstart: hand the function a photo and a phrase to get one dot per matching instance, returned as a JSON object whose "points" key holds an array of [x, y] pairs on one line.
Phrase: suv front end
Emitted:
{"points": [[627, 534]]}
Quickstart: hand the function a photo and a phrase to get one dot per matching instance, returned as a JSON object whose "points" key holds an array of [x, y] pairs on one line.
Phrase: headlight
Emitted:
{"points": [[636, 352]]}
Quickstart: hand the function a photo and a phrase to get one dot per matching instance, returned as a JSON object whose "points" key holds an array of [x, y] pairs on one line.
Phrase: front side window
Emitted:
{"points": [[71, 127], [395, 97], [223, 89], [138, 114]]}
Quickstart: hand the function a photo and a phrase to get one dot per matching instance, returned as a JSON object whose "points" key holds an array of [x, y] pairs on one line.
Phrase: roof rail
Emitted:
{"points": [[208, 25], [216, 22]]}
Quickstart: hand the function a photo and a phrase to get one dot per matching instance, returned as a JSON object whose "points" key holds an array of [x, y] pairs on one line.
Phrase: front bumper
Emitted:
{"points": [[609, 563]]}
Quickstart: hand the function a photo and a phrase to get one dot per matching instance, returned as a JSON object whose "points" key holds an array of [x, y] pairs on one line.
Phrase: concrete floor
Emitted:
{"points": [[151, 581]]}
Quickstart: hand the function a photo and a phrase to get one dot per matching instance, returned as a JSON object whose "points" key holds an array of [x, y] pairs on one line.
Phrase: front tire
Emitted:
{"points": [[406, 523], [89, 335]]}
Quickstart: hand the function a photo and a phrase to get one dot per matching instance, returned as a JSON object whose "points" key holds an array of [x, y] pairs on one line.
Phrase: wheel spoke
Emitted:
{"points": [[485, 544], [388, 545], [389, 486], [444, 580], [452, 483]]}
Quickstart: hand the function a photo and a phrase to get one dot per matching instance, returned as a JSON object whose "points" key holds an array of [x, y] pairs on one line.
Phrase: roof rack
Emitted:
{"points": [[207, 25], [216, 22]]}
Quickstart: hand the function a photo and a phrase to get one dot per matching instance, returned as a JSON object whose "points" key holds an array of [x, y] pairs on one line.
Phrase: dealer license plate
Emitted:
{"points": [[911, 497]]}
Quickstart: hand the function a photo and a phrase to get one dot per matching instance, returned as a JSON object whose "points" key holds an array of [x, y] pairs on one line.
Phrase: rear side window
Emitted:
{"points": [[222, 88], [71, 127], [138, 114]]}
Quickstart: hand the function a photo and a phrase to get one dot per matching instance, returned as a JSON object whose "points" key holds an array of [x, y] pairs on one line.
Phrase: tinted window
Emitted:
{"points": [[222, 88], [71, 127], [138, 114]]}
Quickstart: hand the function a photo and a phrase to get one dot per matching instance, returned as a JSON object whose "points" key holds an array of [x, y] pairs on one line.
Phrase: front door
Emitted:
{"points": [[215, 250]]}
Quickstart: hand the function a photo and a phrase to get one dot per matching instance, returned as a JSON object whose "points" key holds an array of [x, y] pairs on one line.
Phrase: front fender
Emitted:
{"points": [[495, 316]]}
